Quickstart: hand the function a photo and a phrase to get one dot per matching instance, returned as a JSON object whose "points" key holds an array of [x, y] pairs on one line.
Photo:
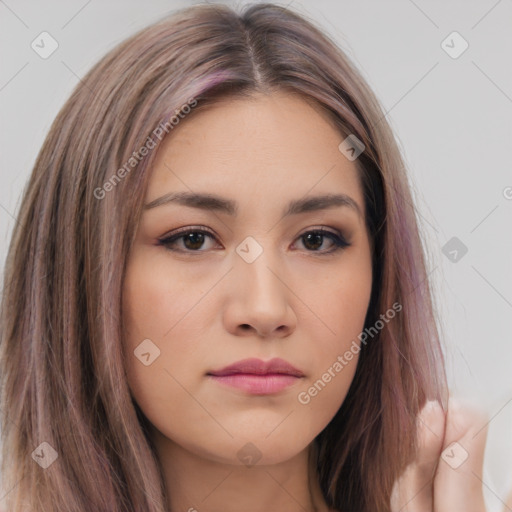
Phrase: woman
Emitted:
{"points": [[274, 370]]}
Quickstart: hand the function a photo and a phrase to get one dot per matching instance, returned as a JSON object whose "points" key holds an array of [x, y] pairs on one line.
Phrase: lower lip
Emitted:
{"points": [[257, 384]]}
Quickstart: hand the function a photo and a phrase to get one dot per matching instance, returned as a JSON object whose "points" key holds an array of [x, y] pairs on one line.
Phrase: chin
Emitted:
{"points": [[260, 449]]}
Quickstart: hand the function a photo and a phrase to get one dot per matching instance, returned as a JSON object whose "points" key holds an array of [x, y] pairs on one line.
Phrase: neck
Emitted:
{"points": [[204, 483]]}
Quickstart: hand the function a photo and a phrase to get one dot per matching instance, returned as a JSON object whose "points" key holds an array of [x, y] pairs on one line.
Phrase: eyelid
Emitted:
{"points": [[187, 229]]}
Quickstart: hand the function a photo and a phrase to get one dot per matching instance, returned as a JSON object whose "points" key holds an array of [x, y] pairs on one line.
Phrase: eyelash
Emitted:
{"points": [[339, 241]]}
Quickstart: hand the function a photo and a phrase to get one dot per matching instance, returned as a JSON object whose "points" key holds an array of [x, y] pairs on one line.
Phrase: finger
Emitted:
{"points": [[413, 491], [458, 480]]}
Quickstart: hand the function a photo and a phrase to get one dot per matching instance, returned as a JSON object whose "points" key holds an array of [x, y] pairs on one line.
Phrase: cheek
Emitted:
{"points": [[160, 327], [342, 304], [157, 305], [150, 310]]}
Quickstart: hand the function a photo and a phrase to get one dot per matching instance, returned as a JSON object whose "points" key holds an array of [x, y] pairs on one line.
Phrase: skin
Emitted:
{"points": [[430, 483], [205, 307], [262, 153]]}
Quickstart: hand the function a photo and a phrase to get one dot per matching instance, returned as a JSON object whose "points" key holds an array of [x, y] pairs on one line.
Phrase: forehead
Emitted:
{"points": [[267, 146]]}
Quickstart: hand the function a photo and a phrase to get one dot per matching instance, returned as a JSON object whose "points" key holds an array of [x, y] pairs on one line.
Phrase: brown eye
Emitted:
{"points": [[193, 240], [314, 240]]}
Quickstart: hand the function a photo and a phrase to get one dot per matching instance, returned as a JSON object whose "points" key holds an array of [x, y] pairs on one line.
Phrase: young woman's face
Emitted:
{"points": [[259, 282]]}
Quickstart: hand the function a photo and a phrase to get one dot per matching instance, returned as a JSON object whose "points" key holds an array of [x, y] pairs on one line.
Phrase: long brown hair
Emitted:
{"points": [[61, 360]]}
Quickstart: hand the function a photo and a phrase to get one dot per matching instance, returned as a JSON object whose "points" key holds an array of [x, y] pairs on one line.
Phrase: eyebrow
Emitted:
{"points": [[212, 202]]}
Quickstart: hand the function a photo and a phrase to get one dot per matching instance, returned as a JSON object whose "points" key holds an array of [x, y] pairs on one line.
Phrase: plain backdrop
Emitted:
{"points": [[451, 115]]}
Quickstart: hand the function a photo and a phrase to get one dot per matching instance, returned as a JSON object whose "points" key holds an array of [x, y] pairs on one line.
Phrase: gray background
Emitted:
{"points": [[452, 118]]}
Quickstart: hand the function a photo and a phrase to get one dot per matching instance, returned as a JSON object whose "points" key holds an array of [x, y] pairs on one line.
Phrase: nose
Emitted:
{"points": [[260, 299]]}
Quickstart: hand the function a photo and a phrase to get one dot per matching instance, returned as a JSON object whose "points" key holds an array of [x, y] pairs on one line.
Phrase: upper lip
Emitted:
{"points": [[259, 367]]}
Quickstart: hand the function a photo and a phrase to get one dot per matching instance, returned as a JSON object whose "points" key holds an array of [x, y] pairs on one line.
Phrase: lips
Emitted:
{"points": [[257, 377], [254, 366]]}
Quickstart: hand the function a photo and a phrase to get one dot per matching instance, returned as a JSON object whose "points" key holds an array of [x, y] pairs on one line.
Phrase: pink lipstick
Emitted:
{"points": [[258, 377]]}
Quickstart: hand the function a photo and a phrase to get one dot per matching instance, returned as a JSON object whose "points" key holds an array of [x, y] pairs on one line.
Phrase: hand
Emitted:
{"points": [[446, 476]]}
